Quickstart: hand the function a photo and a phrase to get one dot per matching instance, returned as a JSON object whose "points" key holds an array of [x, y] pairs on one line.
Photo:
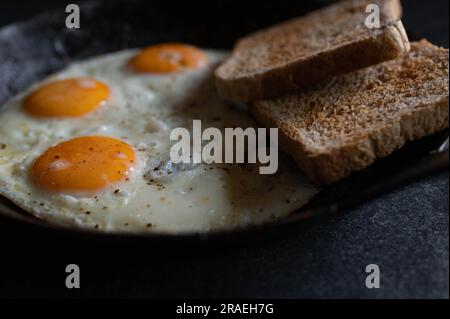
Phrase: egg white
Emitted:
{"points": [[159, 196]]}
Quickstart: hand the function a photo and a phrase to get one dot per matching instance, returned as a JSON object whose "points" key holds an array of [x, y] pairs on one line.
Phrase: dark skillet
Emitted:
{"points": [[35, 48]]}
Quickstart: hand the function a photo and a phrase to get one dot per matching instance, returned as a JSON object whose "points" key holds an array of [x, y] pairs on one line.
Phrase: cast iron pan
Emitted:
{"points": [[33, 49]]}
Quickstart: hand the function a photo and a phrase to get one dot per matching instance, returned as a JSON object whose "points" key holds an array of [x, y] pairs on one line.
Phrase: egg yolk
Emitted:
{"points": [[66, 98], [168, 58], [88, 163]]}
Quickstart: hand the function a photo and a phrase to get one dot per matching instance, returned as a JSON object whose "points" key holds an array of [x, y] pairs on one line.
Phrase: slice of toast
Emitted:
{"points": [[304, 51], [347, 122]]}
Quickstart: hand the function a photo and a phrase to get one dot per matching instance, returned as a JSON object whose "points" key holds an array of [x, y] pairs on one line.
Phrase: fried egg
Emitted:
{"points": [[90, 147]]}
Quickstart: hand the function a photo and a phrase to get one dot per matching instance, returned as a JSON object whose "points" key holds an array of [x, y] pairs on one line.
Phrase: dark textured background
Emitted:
{"points": [[404, 232]]}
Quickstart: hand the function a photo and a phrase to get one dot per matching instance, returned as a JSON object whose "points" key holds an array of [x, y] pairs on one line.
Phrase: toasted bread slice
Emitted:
{"points": [[349, 121], [298, 53]]}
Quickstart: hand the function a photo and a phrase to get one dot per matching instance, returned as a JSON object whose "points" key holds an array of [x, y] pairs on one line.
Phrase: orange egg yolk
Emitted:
{"points": [[83, 164], [66, 98], [168, 58]]}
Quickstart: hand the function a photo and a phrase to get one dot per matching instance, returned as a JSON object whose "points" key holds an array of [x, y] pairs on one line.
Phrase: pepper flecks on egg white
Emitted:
{"points": [[139, 109]]}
